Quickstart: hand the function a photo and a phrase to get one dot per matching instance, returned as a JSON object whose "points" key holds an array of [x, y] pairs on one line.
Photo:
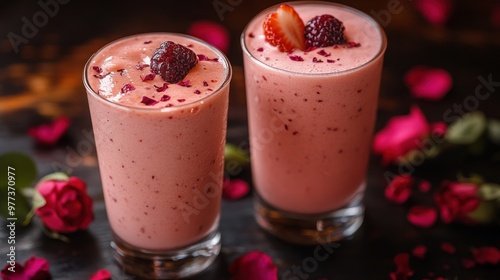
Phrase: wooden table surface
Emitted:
{"points": [[40, 78]]}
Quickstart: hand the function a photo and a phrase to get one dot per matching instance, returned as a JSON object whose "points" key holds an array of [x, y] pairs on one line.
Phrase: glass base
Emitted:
{"points": [[172, 264], [312, 229]]}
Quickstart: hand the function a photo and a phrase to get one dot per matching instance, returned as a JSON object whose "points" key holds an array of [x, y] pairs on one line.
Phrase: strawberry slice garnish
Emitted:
{"points": [[285, 29]]}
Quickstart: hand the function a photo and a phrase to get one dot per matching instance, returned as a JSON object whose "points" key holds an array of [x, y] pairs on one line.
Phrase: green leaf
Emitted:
{"points": [[466, 130], [233, 153], [58, 176], [474, 178], [489, 191], [19, 206], [485, 213], [494, 131], [22, 168], [37, 201]]}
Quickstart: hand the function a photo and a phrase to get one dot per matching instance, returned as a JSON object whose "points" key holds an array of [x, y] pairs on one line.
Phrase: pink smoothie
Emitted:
{"points": [[311, 121], [161, 163]]}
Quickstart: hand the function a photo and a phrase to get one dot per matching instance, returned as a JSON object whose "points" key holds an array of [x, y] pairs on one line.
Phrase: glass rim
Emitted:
{"points": [[227, 79], [375, 24]]}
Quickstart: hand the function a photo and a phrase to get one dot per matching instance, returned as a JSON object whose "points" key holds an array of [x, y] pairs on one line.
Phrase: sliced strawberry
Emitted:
{"points": [[285, 29]]}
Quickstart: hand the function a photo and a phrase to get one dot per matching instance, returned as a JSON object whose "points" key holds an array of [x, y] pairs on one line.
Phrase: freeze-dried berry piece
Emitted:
{"points": [[324, 31], [172, 61]]}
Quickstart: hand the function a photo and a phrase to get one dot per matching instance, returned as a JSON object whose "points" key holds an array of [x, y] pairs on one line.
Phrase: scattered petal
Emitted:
{"points": [[49, 134], [435, 11], [448, 248], [456, 201], [428, 83], [212, 32], [399, 189], [253, 265], [101, 274], [439, 128], [235, 189], [403, 270], [419, 251], [148, 101], [422, 216], [486, 255], [424, 186], [33, 269]]}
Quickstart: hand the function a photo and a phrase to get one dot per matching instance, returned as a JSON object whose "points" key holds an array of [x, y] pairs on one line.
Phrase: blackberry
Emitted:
{"points": [[172, 61], [324, 31]]}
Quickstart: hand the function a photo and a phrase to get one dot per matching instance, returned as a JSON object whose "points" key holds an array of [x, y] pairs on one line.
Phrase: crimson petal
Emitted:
{"points": [[49, 134], [428, 83], [235, 189], [422, 216], [254, 265]]}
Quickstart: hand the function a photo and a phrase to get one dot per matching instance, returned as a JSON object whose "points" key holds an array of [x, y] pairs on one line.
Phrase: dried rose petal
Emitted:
{"points": [[235, 189], [422, 216], [252, 266], [435, 11], [148, 77], [486, 255], [101, 274], [185, 83], [403, 270], [126, 88], [448, 248], [164, 98], [428, 83], [330, 60], [399, 189], [162, 88], [424, 186], [323, 53], [202, 57], [97, 69], [419, 251], [49, 134], [34, 268], [197, 91], [315, 60], [148, 101], [296, 58], [212, 32], [261, 49]]}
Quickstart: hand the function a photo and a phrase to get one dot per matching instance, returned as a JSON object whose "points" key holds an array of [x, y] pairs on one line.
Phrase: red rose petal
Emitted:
{"points": [[422, 216], [403, 270], [399, 189], [428, 83], [486, 255], [252, 266], [435, 11], [439, 128], [235, 189], [148, 101], [34, 268], [49, 134], [212, 32], [419, 251], [101, 274], [448, 248], [424, 186]]}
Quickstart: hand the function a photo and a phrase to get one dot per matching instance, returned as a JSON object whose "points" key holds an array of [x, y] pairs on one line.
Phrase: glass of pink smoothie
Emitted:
{"points": [[160, 148], [311, 116]]}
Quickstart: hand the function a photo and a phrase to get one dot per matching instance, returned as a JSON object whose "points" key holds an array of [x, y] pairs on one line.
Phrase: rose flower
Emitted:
{"points": [[67, 207]]}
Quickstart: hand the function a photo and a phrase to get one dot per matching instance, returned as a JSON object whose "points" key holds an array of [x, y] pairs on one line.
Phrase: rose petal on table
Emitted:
{"points": [[424, 186], [486, 255], [211, 32], [50, 133], [34, 268], [419, 251], [399, 189], [456, 200], [448, 248], [422, 216], [428, 83], [234, 189], [101, 274], [253, 265], [403, 270], [435, 11]]}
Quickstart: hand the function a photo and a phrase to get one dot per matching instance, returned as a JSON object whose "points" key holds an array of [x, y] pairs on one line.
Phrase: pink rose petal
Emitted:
{"points": [[403, 270], [212, 32], [33, 269], [419, 251], [428, 83], [448, 248], [399, 189], [424, 186], [252, 266], [49, 134], [435, 11], [486, 255], [101, 274], [401, 135], [422, 216], [235, 189]]}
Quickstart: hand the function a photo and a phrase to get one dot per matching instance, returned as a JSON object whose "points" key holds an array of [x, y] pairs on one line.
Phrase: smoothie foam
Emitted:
{"points": [[161, 165], [311, 122]]}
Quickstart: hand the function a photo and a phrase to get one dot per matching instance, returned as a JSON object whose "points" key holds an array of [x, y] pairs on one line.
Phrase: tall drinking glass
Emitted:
{"points": [[160, 150], [311, 118]]}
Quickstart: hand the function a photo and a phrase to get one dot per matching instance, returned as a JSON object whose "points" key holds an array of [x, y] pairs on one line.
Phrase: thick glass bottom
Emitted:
{"points": [[310, 229], [172, 264]]}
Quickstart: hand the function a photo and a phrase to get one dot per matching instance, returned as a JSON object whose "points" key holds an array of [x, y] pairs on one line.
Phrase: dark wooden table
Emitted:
{"points": [[42, 80]]}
